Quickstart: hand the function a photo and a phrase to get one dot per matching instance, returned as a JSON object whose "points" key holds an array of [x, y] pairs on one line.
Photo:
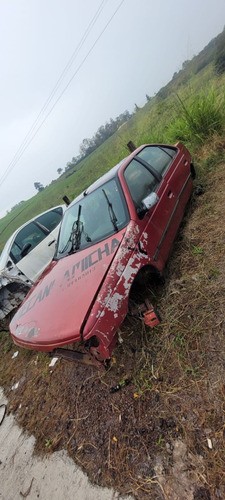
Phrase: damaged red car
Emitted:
{"points": [[122, 224]]}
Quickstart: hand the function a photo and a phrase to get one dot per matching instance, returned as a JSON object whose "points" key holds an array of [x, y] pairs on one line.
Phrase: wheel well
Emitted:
{"points": [[193, 171], [144, 274]]}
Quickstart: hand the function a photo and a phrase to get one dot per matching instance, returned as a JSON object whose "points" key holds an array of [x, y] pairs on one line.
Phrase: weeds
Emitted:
{"points": [[212, 160], [6, 342], [199, 120], [191, 370], [179, 340], [142, 382], [161, 441], [48, 443], [196, 250], [214, 273]]}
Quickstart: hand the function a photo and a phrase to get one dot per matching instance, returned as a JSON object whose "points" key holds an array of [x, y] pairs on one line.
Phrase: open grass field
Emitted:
{"points": [[165, 120]]}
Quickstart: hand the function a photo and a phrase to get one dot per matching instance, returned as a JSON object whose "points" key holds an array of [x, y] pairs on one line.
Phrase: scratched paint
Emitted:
{"points": [[114, 302]]}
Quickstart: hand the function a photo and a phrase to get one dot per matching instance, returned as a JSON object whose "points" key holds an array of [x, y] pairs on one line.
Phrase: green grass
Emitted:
{"points": [[199, 119], [197, 250], [160, 120]]}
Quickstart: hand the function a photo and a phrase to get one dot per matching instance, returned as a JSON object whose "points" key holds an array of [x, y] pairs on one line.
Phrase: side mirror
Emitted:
{"points": [[66, 200], [25, 249], [150, 201]]}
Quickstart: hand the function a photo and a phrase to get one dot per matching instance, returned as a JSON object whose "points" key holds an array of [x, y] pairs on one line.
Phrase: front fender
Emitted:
{"points": [[111, 315]]}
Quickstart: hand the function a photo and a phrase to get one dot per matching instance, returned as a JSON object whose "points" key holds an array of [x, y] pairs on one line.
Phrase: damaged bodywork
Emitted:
{"points": [[13, 289], [124, 223], [25, 256]]}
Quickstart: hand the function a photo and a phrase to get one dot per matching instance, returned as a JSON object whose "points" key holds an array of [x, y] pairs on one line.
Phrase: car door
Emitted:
{"points": [[141, 183], [37, 239], [158, 222], [172, 191]]}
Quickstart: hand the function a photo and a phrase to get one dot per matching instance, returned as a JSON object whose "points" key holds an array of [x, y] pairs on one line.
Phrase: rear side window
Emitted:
{"points": [[140, 181], [51, 219], [31, 234], [158, 157]]}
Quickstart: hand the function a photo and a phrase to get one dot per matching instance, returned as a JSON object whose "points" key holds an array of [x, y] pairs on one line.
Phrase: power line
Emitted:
{"points": [[52, 94], [26, 140], [15, 217]]}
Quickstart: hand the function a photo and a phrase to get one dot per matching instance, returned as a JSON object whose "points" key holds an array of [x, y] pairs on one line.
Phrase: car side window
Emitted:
{"points": [[50, 219], [140, 181], [31, 234], [159, 157]]}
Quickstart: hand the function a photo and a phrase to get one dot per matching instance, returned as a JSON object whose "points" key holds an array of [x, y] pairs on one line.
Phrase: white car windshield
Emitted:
{"points": [[95, 217], [32, 233]]}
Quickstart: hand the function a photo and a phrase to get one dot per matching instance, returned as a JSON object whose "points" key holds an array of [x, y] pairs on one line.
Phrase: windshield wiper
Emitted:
{"points": [[76, 232], [75, 235], [112, 214]]}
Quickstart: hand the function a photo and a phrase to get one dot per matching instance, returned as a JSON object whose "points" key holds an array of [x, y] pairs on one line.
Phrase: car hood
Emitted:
{"points": [[55, 309]]}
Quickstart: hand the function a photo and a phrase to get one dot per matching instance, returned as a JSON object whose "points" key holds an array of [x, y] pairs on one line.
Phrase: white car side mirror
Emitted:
{"points": [[150, 200]]}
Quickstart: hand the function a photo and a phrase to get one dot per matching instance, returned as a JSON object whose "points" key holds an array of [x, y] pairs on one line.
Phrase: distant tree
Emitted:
{"points": [[89, 145], [86, 147], [185, 64], [59, 170], [136, 108], [103, 133], [76, 159], [220, 63], [148, 98], [68, 166], [38, 186], [220, 54], [163, 92]]}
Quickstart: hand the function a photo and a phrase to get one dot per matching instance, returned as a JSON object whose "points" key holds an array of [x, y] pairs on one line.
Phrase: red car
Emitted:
{"points": [[123, 223]]}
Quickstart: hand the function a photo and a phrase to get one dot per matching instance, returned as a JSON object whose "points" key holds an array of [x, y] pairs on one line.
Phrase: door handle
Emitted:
{"points": [[170, 194], [51, 242]]}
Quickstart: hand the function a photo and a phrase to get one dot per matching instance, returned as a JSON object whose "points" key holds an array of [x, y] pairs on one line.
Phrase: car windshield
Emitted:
{"points": [[95, 217]]}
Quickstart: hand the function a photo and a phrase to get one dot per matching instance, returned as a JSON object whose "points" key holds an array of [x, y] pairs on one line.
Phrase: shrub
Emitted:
{"points": [[220, 54], [220, 63], [197, 121]]}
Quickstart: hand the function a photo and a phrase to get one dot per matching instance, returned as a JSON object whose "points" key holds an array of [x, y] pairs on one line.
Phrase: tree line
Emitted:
{"points": [[89, 145]]}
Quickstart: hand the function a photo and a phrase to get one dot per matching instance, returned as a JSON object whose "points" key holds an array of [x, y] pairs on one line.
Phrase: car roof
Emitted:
{"points": [[107, 176], [99, 182], [4, 255]]}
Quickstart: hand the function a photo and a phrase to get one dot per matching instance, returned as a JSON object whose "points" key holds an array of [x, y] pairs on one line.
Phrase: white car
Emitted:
{"points": [[25, 256]]}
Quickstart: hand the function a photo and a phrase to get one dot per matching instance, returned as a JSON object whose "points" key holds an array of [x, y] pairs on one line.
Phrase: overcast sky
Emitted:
{"points": [[142, 46]]}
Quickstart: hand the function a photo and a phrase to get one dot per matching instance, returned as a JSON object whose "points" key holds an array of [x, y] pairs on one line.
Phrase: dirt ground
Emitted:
{"points": [[161, 435], [23, 474]]}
